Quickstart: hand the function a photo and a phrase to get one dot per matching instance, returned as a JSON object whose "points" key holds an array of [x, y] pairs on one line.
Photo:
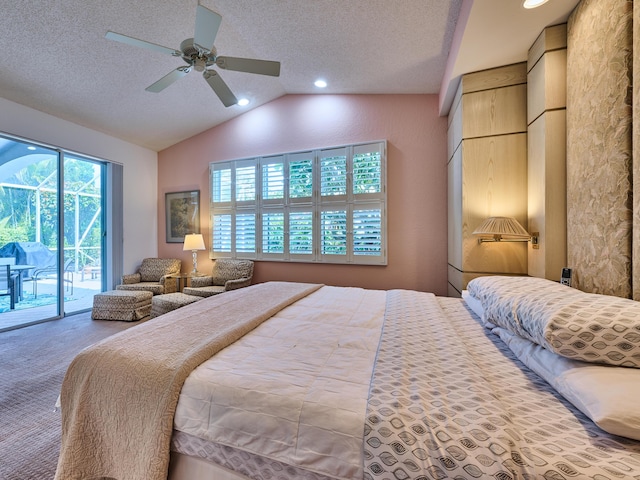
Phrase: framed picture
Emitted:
{"points": [[182, 211]]}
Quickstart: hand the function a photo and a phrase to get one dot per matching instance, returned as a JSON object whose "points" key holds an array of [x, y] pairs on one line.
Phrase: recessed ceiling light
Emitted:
{"points": [[31, 147], [243, 101], [320, 83], [533, 3]]}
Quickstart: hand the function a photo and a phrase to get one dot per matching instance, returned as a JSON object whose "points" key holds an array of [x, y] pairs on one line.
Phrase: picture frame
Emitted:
{"points": [[182, 214]]}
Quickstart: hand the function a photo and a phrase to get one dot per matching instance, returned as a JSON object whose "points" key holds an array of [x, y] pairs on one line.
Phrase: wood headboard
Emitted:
{"points": [[579, 154]]}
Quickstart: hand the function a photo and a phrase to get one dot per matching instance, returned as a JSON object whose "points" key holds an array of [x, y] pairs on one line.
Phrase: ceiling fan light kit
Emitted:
{"points": [[200, 55], [533, 3]]}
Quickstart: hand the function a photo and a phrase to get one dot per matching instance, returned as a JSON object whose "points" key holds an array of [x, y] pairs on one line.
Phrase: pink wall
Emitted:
{"points": [[416, 179]]}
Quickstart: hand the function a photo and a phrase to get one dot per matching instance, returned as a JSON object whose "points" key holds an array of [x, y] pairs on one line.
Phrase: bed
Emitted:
{"points": [[299, 381]]}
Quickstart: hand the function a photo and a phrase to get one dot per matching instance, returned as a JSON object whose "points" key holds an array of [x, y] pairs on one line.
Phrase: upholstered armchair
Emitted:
{"points": [[153, 276], [228, 274]]}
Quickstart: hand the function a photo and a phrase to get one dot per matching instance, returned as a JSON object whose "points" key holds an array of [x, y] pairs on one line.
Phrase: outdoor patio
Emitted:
{"points": [[32, 309]]}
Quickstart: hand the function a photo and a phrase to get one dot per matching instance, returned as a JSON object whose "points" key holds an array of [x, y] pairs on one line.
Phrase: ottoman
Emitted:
{"points": [[170, 301], [125, 305]]}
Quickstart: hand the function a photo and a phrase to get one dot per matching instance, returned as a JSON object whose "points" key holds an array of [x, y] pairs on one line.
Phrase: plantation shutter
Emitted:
{"points": [[221, 232], [326, 205], [273, 179], [300, 176], [333, 172], [273, 232]]}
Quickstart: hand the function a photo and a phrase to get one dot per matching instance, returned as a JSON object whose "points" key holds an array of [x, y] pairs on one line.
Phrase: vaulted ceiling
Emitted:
{"points": [[55, 57]]}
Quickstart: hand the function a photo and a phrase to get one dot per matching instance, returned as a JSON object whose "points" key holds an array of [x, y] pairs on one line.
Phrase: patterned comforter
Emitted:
{"points": [[448, 400], [455, 404]]}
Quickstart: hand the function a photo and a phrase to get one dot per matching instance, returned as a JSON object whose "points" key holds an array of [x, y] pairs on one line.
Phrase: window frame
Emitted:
{"points": [[347, 202]]}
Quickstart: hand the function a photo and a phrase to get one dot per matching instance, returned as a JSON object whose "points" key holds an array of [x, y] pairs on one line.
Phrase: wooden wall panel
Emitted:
{"points": [[454, 199], [458, 280], [547, 86], [487, 171], [555, 214], [546, 114], [454, 277], [551, 38], [536, 193], [547, 194], [506, 76], [491, 112], [454, 133], [494, 183]]}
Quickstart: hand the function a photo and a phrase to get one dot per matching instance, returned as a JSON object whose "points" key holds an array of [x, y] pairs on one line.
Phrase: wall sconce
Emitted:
{"points": [[505, 229], [194, 242]]}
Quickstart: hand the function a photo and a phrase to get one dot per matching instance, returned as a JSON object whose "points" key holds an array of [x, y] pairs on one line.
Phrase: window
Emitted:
{"points": [[326, 205]]}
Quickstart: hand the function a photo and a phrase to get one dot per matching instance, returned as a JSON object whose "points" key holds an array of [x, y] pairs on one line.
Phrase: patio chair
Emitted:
{"points": [[52, 272], [8, 284], [16, 276], [153, 276], [228, 274]]}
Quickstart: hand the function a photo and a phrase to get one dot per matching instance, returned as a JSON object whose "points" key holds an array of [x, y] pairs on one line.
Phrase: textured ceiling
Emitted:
{"points": [[55, 57]]}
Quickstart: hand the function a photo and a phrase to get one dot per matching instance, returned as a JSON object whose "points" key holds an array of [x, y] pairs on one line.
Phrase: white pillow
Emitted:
{"points": [[608, 395], [473, 303]]}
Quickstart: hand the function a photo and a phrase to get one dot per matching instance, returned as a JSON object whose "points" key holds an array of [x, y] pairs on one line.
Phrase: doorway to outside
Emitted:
{"points": [[51, 232]]}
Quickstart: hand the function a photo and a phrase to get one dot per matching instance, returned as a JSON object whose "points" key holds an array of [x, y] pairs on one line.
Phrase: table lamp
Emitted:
{"points": [[194, 242]]}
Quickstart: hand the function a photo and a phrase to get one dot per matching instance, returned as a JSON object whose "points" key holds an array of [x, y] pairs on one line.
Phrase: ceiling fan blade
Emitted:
{"points": [[168, 79], [249, 65], [118, 37], [207, 25], [220, 88]]}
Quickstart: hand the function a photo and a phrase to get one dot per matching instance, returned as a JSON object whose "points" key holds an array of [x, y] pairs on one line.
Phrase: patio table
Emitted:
{"points": [[19, 269]]}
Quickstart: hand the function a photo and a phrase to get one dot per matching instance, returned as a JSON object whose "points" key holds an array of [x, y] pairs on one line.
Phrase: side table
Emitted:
{"points": [[184, 279]]}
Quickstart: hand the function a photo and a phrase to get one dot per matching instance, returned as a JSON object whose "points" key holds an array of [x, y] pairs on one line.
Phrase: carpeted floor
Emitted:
{"points": [[33, 361]]}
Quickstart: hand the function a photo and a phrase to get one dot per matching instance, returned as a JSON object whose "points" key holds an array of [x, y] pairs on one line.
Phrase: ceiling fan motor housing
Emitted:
{"points": [[201, 55], [197, 57]]}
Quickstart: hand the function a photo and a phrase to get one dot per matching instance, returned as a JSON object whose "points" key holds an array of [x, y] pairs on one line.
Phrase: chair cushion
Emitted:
{"points": [[204, 291], [118, 299], [201, 281], [230, 269], [152, 287], [131, 278], [153, 269]]}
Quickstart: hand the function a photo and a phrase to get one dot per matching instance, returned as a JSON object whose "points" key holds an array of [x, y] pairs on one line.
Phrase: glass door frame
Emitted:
{"points": [[102, 165], [107, 252]]}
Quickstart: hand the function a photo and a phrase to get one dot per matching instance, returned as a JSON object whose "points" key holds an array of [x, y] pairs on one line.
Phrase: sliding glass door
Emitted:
{"points": [[51, 231], [83, 232]]}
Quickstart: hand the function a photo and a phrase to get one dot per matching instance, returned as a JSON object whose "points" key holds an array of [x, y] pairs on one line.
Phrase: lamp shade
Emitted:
{"points": [[502, 227], [193, 241]]}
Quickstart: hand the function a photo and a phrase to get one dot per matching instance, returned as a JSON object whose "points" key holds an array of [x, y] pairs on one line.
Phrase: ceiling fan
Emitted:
{"points": [[200, 54]]}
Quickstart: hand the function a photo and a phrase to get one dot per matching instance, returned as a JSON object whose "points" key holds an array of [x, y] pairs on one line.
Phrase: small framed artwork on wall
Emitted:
{"points": [[182, 210]]}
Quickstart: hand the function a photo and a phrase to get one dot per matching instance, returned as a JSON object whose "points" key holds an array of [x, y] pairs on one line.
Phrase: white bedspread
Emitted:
{"points": [[294, 390]]}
